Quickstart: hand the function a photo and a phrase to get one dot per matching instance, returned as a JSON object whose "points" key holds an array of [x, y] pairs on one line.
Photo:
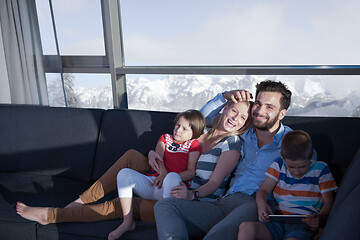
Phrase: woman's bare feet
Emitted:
{"points": [[124, 227], [78, 202], [38, 214]]}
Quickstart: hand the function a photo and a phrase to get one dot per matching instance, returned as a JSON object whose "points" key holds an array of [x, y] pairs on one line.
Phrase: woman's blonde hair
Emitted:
{"points": [[216, 122]]}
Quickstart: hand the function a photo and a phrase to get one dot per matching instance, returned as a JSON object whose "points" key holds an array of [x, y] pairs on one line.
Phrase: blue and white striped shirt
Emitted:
{"points": [[207, 163]]}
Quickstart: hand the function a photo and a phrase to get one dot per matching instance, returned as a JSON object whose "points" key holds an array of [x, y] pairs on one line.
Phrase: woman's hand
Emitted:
{"points": [[152, 157], [181, 191]]}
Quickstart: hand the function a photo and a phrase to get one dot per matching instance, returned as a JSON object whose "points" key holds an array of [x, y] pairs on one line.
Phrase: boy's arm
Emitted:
{"points": [[189, 173], [318, 220], [261, 198]]}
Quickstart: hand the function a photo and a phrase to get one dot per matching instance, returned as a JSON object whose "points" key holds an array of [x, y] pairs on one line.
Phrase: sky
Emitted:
{"points": [[210, 32]]}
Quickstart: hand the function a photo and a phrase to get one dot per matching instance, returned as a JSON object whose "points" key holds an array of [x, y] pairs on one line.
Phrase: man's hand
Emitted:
{"points": [[238, 95]]}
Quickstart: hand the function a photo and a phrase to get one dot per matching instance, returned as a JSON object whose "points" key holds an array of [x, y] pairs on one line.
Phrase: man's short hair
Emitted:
{"points": [[272, 86], [297, 145]]}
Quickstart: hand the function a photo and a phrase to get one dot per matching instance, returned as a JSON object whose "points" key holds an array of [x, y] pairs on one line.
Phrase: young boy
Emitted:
{"points": [[300, 186]]}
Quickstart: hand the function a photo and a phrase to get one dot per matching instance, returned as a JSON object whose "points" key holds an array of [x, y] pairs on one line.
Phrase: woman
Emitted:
{"points": [[221, 151], [207, 184]]}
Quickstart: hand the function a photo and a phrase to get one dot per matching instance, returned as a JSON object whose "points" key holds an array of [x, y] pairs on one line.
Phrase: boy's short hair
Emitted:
{"points": [[296, 145], [196, 121], [272, 86]]}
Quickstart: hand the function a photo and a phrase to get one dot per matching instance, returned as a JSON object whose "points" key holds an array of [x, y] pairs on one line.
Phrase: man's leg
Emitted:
{"points": [[179, 219], [238, 207]]}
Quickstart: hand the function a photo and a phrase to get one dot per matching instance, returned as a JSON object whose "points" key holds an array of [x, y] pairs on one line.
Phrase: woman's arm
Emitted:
{"points": [[225, 164], [155, 158], [212, 108], [261, 198], [189, 173]]}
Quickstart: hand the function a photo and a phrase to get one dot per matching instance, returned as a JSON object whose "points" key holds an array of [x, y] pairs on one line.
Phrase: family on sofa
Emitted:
{"points": [[208, 208]]}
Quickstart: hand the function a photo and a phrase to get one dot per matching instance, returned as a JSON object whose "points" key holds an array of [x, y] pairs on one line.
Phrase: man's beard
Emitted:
{"points": [[269, 123]]}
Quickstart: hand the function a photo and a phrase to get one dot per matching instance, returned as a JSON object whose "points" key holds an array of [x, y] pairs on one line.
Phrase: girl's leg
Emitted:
{"points": [[128, 179], [107, 183], [171, 180], [128, 223]]}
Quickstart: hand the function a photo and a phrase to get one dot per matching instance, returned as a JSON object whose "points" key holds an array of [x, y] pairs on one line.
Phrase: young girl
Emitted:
{"points": [[176, 154]]}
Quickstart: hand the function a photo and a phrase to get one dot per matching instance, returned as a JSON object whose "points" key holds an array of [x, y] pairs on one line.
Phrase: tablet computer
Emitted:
{"points": [[287, 218]]}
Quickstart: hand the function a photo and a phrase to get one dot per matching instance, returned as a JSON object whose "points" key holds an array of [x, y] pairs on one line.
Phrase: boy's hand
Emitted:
{"points": [[237, 95], [313, 220], [263, 212]]}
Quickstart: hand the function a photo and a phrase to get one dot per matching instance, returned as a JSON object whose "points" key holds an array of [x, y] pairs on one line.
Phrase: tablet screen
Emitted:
{"points": [[287, 218]]}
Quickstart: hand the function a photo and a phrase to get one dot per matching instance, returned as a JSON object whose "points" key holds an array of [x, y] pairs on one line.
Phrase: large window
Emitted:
{"points": [[311, 95], [171, 56], [203, 32]]}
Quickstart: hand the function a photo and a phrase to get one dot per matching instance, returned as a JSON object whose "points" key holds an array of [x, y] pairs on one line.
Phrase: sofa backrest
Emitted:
{"points": [[122, 130], [48, 140], [344, 219], [335, 139]]}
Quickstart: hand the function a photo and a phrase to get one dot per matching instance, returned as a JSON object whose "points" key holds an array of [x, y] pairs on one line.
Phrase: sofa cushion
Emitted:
{"points": [[33, 190], [50, 141], [350, 181], [122, 130], [94, 230], [344, 223]]}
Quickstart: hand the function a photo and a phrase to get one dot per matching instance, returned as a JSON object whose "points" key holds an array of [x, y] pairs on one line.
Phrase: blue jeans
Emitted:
{"points": [[181, 219]]}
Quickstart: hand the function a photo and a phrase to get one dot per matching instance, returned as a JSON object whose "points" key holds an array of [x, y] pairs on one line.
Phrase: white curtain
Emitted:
{"points": [[22, 76]]}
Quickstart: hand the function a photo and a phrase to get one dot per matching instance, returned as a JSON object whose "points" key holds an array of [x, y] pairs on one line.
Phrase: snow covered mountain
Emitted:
{"points": [[311, 97]]}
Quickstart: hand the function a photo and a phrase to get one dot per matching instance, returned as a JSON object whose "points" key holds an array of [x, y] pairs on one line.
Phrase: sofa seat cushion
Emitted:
{"points": [[41, 190], [35, 190], [94, 230]]}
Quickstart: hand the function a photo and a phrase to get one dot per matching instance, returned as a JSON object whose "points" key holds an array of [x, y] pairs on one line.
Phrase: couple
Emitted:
{"points": [[179, 218]]}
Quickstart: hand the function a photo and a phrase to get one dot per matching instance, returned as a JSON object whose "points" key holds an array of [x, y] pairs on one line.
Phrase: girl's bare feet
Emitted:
{"points": [[78, 202], [124, 227], [38, 214]]}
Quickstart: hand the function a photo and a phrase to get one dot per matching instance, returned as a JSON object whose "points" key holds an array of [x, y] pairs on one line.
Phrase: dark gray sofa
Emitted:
{"points": [[48, 156]]}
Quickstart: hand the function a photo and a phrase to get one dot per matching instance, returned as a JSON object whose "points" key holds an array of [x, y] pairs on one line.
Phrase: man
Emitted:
{"points": [[179, 219]]}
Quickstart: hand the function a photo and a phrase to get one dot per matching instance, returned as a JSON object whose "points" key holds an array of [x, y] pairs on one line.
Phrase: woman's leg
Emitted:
{"points": [[143, 210], [131, 159], [83, 213]]}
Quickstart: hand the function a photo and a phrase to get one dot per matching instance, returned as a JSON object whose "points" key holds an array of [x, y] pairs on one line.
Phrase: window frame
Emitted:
{"points": [[113, 62]]}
